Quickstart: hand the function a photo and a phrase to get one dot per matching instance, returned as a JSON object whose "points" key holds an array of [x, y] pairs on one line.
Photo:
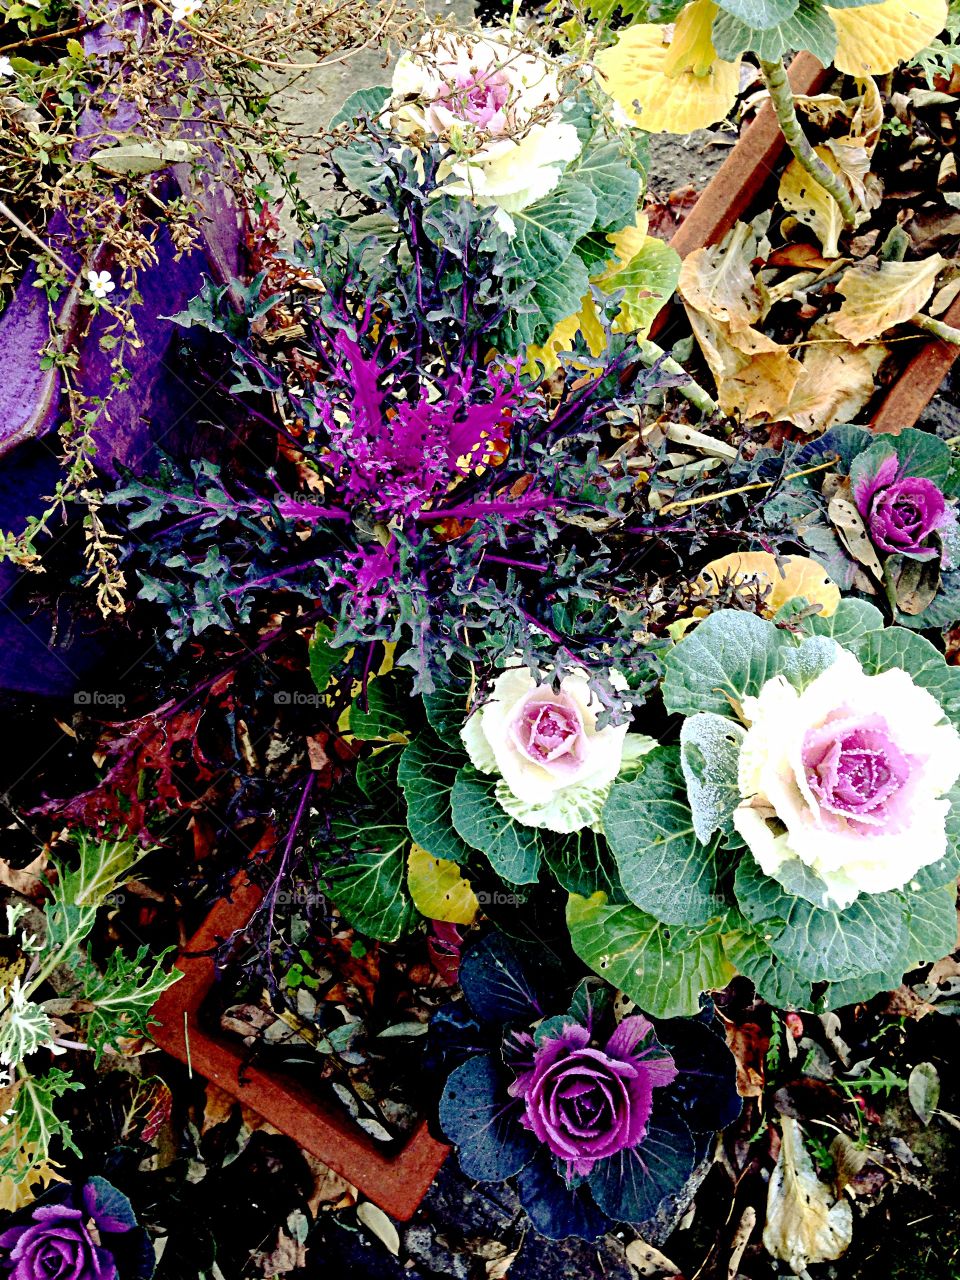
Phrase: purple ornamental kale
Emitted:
{"points": [[58, 1244], [398, 454], [588, 1104], [901, 512]]}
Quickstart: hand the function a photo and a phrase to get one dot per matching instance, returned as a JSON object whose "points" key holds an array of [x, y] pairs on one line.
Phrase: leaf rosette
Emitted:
{"points": [[803, 830], [596, 1118]]}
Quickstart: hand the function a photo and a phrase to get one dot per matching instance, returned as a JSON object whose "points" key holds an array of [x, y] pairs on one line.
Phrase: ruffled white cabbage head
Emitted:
{"points": [[496, 107], [555, 765], [849, 776]]}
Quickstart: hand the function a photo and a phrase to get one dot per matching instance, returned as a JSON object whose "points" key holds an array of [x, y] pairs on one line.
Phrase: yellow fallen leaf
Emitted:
{"points": [[794, 577], [812, 204], [719, 281], [837, 380], [669, 79], [879, 296], [438, 890], [874, 39], [805, 1224]]}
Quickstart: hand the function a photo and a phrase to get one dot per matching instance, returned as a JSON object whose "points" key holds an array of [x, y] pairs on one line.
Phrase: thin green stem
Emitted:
{"points": [[651, 352], [781, 95], [939, 328]]}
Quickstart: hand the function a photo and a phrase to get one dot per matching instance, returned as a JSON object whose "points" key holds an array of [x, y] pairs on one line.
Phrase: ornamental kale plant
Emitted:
{"points": [[881, 519], [536, 142], [596, 1117], [86, 1232], [804, 829], [411, 484]]}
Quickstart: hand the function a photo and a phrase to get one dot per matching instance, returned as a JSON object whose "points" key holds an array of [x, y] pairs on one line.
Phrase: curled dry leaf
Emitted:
{"points": [[719, 283], [848, 1160], [378, 1224], [879, 295], [812, 204], [755, 376], [805, 1223], [852, 532]]}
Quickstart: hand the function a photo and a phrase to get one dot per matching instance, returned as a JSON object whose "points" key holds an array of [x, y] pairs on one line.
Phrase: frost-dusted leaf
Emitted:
{"points": [[897, 647], [810, 28], [370, 889], [872, 40], [426, 774], [879, 296], [727, 656], [923, 1090], [513, 850], [805, 1224], [931, 925], [852, 620], [760, 13], [718, 281], [438, 890], [664, 869], [664, 969], [548, 229], [817, 944], [709, 754], [614, 183], [641, 73], [478, 1114], [631, 1185], [813, 205]]}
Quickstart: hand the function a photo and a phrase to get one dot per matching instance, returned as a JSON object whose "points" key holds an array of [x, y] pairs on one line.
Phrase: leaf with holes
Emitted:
{"points": [[665, 969]]}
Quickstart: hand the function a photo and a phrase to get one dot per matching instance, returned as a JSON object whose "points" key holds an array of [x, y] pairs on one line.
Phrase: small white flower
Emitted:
{"points": [[6, 68], [185, 9], [100, 283]]}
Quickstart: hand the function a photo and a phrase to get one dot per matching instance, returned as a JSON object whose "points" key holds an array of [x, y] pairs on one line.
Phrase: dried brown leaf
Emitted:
{"points": [[879, 295], [805, 1223]]}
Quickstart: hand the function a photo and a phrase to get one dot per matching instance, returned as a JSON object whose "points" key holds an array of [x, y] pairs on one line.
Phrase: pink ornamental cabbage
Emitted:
{"points": [[901, 511], [587, 1104]]}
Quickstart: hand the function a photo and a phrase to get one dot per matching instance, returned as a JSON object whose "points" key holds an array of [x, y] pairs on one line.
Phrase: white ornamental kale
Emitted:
{"points": [[555, 765], [849, 775], [496, 107]]}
